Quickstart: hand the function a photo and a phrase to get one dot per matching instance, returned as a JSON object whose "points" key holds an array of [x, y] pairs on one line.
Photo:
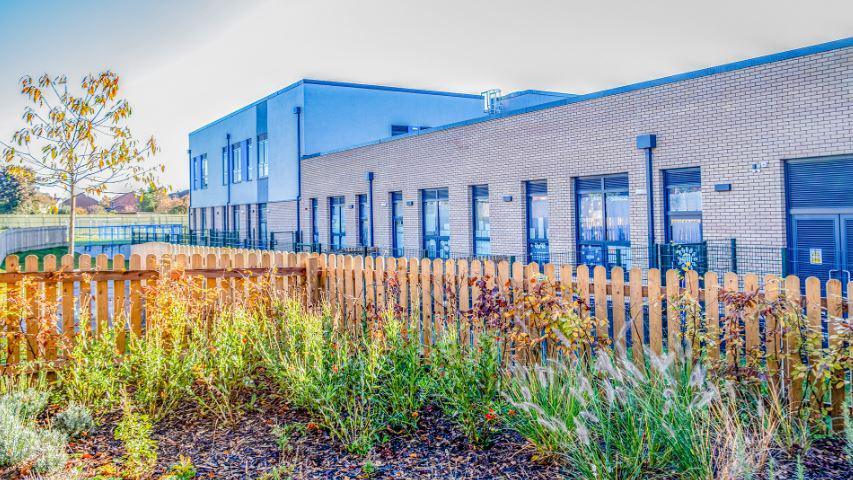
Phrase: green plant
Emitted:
{"points": [[183, 470], [134, 431], [284, 434], [403, 375], [74, 420], [25, 404], [368, 469], [226, 362], [92, 376], [26, 447], [158, 369], [279, 472], [465, 381]]}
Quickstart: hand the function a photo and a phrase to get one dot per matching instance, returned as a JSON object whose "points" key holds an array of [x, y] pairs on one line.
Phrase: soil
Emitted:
{"points": [[248, 449]]}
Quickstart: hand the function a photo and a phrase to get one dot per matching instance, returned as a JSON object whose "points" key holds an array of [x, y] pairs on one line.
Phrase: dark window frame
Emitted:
{"points": [[603, 244], [532, 188], [397, 213], [236, 164], [478, 194], [337, 238], [668, 215], [363, 220], [439, 196], [263, 146], [204, 172], [315, 231]]}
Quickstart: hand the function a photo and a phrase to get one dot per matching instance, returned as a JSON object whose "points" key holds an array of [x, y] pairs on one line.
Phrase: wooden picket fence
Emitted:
{"points": [[642, 307], [109, 292], [436, 293]]}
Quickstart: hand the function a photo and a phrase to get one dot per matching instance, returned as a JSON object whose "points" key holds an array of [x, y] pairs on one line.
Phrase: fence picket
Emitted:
{"points": [[617, 281], [712, 314], [673, 318], [119, 309], [84, 264], [135, 297], [753, 336], [771, 328], [426, 302], [68, 301], [635, 280], [31, 293], [13, 315], [50, 298], [792, 347], [834, 317], [599, 283], [655, 312]]}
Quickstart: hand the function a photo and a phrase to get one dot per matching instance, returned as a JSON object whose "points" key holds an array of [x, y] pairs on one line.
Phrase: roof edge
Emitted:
{"points": [[704, 72]]}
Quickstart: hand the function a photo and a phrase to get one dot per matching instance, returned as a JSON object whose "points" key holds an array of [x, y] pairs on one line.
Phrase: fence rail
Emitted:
{"points": [[635, 311]]}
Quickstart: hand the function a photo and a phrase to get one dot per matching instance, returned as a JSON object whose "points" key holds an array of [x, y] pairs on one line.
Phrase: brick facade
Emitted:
{"points": [[723, 123]]}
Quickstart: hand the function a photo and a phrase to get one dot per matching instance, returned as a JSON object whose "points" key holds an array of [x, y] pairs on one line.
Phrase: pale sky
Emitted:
{"points": [[186, 62]]}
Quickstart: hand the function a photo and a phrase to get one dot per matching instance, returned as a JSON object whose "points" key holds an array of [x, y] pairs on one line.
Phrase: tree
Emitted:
{"points": [[16, 189], [79, 143]]}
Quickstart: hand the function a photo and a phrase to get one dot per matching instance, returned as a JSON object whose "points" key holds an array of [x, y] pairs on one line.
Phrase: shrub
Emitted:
{"points": [[26, 404], [183, 470], [23, 446], [354, 389], [158, 369], [134, 431], [74, 420], [465, 381], [848, 431], [226, 363], [92, 376]]}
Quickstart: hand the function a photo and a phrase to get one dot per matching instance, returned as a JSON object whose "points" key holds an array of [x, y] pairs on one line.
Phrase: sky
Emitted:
{"points": [[184, 63]]}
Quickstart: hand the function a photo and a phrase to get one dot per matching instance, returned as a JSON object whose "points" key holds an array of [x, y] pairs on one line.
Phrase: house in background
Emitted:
{"points": [[84, 202], [125, 203]]}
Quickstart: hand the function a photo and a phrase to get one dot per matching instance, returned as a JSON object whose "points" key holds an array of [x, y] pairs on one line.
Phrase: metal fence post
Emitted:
{"points": [[785, 266]]}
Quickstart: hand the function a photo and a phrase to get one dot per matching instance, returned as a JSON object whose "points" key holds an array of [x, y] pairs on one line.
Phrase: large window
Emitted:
{"points": [[436, 223], [315, 232], [203, 217], [194, 173], [262, 224], [235, 222], [480, 210], [397, 224], [204, 171], [263, 156], [683, 205], [337, 228], [224, 166], [537, 222], [249, 160], [236, 163], [250, 232], [603, 215], [363, 221]]}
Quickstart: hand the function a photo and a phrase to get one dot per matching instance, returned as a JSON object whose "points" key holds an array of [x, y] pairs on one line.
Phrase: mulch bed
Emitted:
{"points": [[248, 448]]}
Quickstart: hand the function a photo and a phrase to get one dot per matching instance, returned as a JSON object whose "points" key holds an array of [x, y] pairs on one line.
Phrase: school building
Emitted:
{"points": [[745, 166]]}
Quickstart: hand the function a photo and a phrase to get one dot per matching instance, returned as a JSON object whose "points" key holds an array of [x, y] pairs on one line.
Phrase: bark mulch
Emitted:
{"points": [[248, 449]]}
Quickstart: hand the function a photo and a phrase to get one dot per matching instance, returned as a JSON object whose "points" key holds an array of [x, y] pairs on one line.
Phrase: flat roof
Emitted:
{"points": [[705, 72], [367, 86]]}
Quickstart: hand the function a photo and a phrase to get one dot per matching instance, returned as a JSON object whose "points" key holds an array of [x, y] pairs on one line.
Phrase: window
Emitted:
{"points": [[436, 223], [194, 173], [235, 222], [337, 226], [203, 219], [224, 166], [263, 156], [249, 163], [480, 209], [683, 205], [538, 249], [603, 221], [204, 171], [224, 218], [263, 232], [315, 232], [363, 221], [236, 163], [399, 130], [250, 233], [397, 224]]}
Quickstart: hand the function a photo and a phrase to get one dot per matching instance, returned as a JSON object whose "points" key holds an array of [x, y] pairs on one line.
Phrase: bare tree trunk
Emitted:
{"points": [[72, 220]]}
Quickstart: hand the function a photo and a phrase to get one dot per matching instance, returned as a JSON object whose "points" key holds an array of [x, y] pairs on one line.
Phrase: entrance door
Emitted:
{"points": [[820, 209], [817, 247]]}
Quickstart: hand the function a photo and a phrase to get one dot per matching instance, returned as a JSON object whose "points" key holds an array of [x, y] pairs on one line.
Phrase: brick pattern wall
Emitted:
{"points": [[723, 123]]}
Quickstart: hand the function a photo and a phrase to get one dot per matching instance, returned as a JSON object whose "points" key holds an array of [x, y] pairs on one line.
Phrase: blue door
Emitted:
{"points": [[817, 249], [820, 209]]}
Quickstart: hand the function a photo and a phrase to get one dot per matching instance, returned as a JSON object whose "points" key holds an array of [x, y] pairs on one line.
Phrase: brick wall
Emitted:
{"points": [[723, 123]]}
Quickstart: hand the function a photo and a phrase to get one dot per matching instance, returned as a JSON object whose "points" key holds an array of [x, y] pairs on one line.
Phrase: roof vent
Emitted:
{"points": [[491, 101]]}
